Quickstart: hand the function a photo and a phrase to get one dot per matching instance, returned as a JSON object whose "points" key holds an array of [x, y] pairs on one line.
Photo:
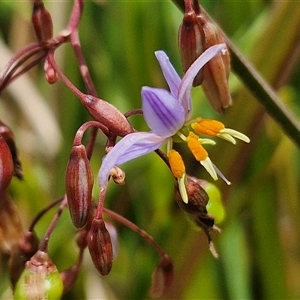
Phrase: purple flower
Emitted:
{"points": [[166, 113]]}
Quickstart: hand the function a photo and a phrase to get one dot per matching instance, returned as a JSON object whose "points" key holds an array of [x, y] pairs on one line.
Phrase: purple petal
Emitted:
{"points": [[187, 81], [169, 72], [129, 147], [162, 112]]}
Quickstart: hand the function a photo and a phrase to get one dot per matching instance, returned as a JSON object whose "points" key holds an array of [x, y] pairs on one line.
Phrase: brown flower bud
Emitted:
{"points": [[40, 279], [216, 71], [42, 22], [79, 182], [6, 167], [100, 247], [190, 39], [107, 114], [7, 134], [162, 277]]}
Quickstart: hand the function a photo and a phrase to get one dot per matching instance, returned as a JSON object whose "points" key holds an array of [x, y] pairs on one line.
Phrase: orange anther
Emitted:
{"points": [[176, 163], [208, 127], [196, 148]]}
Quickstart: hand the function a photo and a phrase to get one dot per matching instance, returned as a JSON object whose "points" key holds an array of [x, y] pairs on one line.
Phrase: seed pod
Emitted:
{"points": [[6, 167], [40, 280], [190, 39], [69, 277], [100, 247], [79, 182], [42, 22], [107, 114]]}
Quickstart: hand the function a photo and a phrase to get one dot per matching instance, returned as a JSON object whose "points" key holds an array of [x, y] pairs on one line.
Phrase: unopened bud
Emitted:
{"points": [[40, 279], [8, 135], [190, 39], [100, 247], [42, 22], [162, 277], [50, 73], [79, 184], [216, 71], [6, 167], [107, 114]]}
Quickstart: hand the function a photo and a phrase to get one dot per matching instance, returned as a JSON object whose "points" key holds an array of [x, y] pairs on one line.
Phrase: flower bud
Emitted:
{"points": [[42, 22], [162, 277], [216, 71], [8, 135], [40, 279], [50, 73], [107, 114], [6, 167], [190, 39], [79, 182], [100, 247]]}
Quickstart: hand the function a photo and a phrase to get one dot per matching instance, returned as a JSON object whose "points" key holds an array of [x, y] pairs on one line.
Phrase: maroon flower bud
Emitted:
{"points": [[79, 182], [42, 22], [162, 277], [100, 247], [7, 134], [6, 167], [40, 279], [190, 39], [216, 71], [107, 114]]}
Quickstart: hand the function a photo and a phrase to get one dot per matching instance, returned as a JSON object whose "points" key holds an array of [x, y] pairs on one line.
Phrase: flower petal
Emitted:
{"points": [[169, 72], [187, 80], [162, 112], [129, 147]]}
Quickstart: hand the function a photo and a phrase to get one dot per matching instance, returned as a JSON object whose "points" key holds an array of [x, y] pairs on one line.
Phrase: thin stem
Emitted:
{"points": [[136, 229], [44, 243]]}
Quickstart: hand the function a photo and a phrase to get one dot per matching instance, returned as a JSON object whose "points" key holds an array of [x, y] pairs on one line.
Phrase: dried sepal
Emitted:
{"points": [[196, 208], [79, 182], [162, 277], [40, 279], [100, 246]]}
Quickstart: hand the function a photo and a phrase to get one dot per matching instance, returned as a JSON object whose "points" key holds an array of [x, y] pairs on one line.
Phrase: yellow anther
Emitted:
{"points": [[176, 163], [196, 148], [208, 127]]}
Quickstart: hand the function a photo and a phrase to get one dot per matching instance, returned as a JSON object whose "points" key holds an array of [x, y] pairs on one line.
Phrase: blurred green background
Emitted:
{"points": [[259, 246]]}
